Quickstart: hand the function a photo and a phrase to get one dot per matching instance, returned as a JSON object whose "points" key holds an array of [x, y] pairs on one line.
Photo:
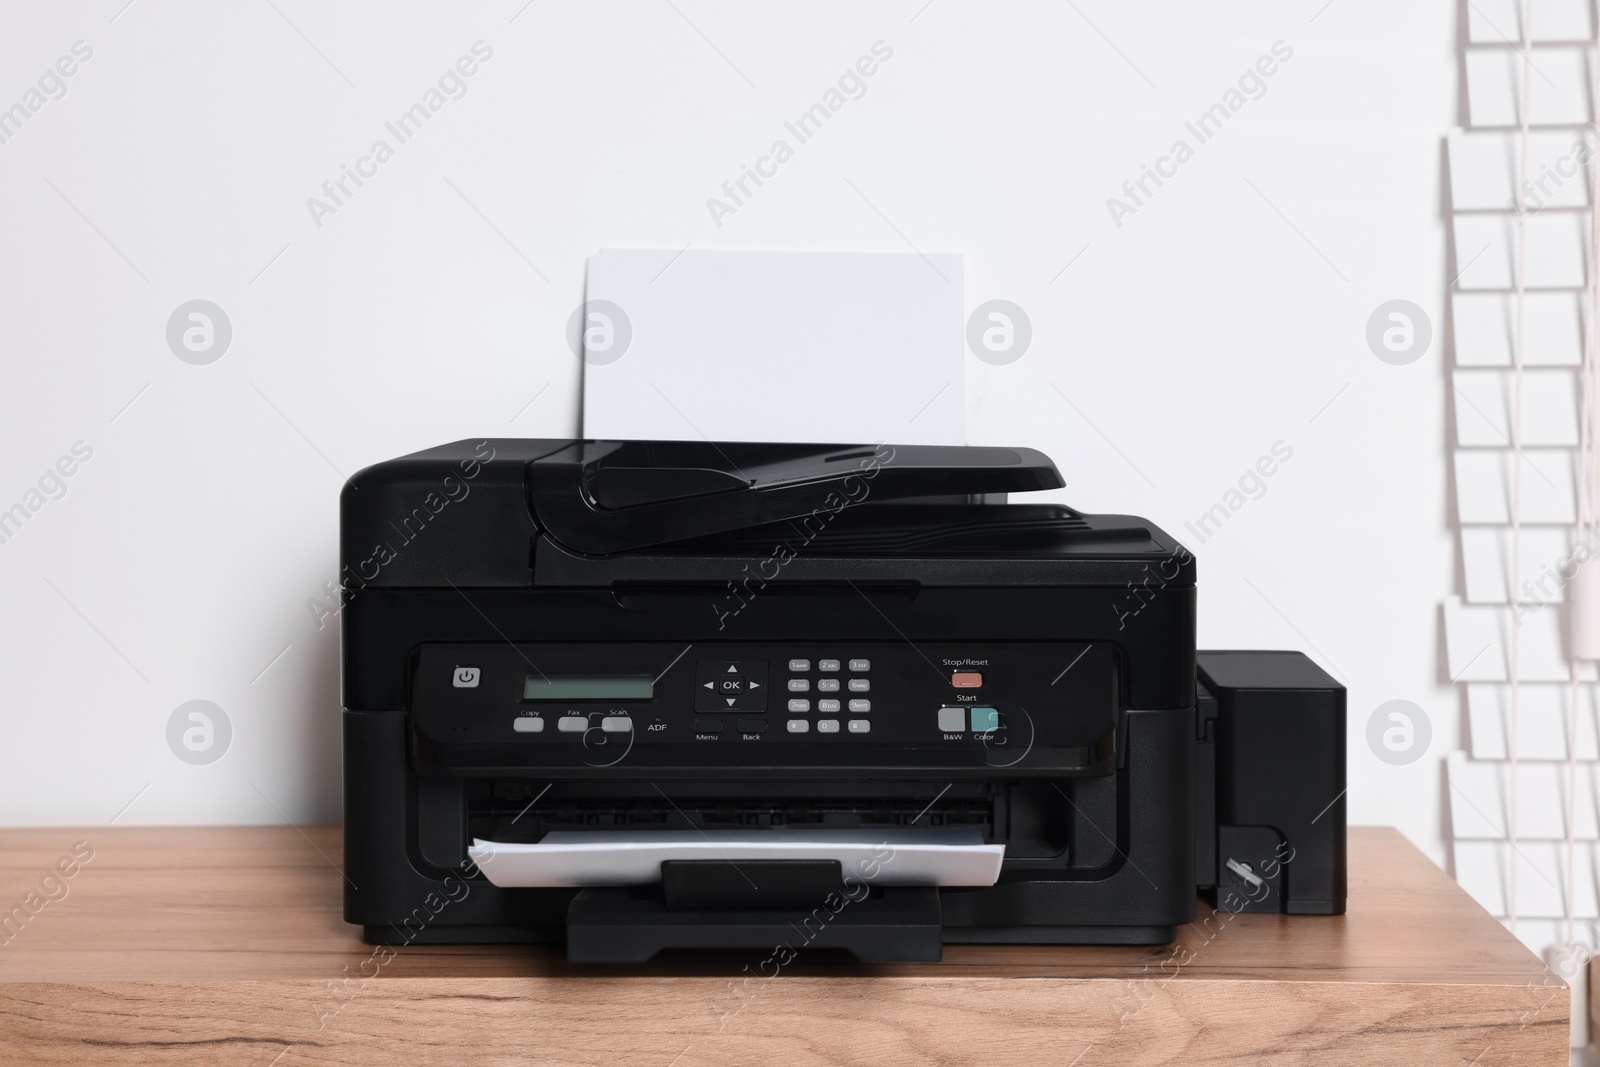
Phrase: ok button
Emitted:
{"points": [[731, 683]]}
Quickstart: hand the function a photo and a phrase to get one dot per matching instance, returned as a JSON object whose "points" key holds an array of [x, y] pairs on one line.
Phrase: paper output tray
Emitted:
{"points": [[872, 893], [932, 857]]}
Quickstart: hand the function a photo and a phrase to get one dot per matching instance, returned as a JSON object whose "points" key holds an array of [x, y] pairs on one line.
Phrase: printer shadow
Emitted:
{"points": [[1452, 514], [753, 966], [318, 737]]}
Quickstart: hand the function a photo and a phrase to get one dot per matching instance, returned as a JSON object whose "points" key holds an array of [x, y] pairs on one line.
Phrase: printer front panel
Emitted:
{"points": [[1072, 747], [654, 709]]}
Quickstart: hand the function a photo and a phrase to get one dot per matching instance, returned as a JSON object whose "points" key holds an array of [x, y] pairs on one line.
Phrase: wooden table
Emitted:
{"points": [[225, 946]]}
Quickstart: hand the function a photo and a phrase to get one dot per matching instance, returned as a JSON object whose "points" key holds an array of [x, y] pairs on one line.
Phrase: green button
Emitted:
{"points": [[985, 720]]}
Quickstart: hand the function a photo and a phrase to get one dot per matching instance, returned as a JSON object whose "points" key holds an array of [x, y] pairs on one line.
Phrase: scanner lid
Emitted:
{"points": [[600, 497]]}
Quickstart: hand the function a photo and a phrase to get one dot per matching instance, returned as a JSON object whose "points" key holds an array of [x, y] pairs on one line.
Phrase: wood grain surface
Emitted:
{"points": [[225, 946]]}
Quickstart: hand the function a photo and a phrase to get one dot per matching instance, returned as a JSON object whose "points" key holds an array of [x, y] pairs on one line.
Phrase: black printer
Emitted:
{"points": [[631, 696]]}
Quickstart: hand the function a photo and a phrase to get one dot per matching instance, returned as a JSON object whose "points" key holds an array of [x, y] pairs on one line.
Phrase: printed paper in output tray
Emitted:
{"points": [[956, 857]]}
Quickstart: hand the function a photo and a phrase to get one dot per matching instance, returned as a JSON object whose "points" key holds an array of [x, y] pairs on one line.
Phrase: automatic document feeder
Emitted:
{"points": [[634, 696]]}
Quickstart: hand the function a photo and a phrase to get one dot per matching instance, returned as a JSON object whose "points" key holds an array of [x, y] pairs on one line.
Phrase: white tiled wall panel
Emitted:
{"points": [[1500, 21], [1485, 325], [1559, 87], [1486, 165], [1478, 642], [1485, 486], [1493, 211], [1486, 564], [1485, 406], [1486, 248], [1543, 720]]}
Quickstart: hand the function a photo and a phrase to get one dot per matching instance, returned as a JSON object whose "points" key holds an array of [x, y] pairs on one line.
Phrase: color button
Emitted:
{"points": [[953, 720], [799, 726], [528, 725], [985, 720], [966, 679]]}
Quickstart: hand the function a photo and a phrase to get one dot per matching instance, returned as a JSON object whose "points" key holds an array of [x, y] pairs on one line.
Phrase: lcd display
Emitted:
{"points": [[588, 687]]}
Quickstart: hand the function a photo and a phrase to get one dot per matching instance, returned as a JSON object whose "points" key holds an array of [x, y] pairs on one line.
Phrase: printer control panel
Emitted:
{"points": [[1037, 707]]}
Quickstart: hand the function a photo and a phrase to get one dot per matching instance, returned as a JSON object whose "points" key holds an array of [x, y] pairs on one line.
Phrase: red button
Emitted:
{"points": [[966, 679]]}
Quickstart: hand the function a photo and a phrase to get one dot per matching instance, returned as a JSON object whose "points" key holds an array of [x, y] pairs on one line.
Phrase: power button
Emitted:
{"points": [[465, 678]]}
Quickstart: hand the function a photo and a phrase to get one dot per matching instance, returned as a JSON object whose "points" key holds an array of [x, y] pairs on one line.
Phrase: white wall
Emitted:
{"points": [[1202, 330]]}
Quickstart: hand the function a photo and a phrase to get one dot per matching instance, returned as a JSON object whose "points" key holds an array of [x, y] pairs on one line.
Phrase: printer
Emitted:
{"points": [[630, 696]]}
